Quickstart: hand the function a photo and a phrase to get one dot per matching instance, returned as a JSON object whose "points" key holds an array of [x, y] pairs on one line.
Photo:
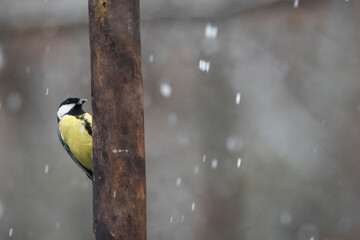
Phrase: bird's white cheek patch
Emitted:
{"points": [[81, 129], [64, 109]]}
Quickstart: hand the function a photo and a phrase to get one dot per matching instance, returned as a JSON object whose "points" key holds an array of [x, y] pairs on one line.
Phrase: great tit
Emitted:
{"points": [[75, 134]]}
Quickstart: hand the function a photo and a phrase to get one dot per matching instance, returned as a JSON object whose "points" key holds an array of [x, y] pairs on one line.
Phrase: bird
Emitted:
{"points": [[75, 132]]}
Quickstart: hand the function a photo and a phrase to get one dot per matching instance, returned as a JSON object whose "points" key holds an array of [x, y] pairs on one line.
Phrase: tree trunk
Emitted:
{"points": [[118, 121]]}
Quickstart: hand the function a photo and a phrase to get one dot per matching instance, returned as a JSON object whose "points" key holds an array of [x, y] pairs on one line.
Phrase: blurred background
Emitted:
{"points": [[252, 119]]}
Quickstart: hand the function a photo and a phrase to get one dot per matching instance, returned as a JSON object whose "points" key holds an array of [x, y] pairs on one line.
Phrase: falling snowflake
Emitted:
{"points": [[1, 57], [214, 163], [296, 3], [178, 181], [211, 31], [165, 90], [238, 98], [193, 206], [196, 169], [238, 162], [204, 65], [151, 58]]}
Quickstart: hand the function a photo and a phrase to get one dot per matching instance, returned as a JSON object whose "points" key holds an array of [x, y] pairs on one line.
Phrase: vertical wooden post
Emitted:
{"points": [[118, 121]]}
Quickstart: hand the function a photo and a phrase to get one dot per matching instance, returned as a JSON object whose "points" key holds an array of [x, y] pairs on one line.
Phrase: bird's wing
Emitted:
{"points": [[87, 171]]}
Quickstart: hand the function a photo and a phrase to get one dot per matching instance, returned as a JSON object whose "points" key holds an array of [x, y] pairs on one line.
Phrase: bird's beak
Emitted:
{"points": [[81, 101]]}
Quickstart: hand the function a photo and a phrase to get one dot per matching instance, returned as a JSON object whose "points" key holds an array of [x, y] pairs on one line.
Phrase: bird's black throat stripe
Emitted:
{"points": [[78, 112], [88, 127], [87, 124]]}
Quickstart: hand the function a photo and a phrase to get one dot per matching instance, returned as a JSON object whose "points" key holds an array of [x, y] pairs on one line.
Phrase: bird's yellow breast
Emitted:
{"points": [[76, 136]]}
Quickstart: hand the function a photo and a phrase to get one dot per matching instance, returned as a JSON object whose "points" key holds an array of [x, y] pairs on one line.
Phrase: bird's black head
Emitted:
{"points": [[70, 100], [71, 106]]}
